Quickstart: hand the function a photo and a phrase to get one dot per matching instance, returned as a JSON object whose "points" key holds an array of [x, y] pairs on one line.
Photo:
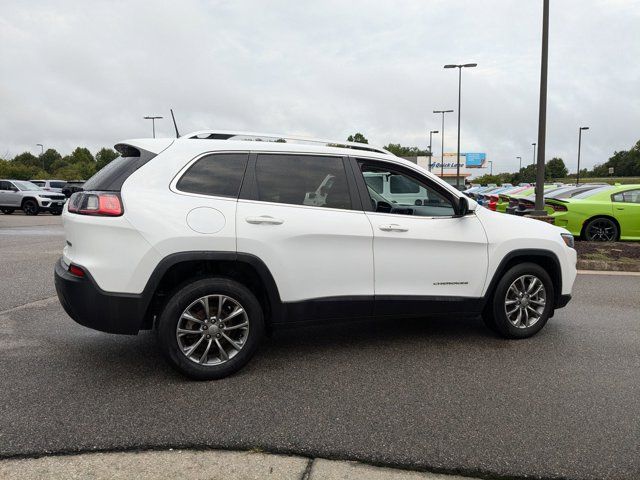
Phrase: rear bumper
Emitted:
{"points": [[92, 307]]}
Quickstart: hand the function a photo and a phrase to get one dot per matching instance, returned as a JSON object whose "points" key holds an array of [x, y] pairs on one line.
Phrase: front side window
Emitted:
{"points": [[219, 175], [630, 196], [408, 195], [310, 180]]}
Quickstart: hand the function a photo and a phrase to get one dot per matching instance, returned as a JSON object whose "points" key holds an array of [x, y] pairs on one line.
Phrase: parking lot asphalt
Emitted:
{"points": [[435, 394]]}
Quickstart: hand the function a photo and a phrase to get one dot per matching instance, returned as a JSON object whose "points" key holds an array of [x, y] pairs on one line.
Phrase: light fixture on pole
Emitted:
{"points": [[442, 140], [579, 144], [430, 150], [534, 153], [459, 67], [153, 122], [41, 153]]}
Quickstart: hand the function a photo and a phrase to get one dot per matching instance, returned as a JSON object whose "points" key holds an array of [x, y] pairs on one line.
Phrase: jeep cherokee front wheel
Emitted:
{"points": [[210, 328], [521, 303]]}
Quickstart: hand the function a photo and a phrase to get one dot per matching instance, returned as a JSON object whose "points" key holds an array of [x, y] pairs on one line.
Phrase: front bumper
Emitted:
{"points": [[50, 204], [89, 305]]}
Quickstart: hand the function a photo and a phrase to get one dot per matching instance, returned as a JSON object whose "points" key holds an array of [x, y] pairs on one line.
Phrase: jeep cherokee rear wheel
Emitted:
{"points": [[522, 302], [210, 328]]}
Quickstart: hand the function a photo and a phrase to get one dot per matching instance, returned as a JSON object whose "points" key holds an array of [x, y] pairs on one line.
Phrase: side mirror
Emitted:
{"points": [[463, 207]]}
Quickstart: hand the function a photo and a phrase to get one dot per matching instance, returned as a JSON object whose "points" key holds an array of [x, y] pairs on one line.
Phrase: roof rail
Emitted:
{"points": [[275, 137]]}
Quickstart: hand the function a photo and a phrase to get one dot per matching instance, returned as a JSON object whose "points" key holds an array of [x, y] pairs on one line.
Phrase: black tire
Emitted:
{"points": [[30, 207], [601, 229], [185, 296], [8, 211], [495, 315]]}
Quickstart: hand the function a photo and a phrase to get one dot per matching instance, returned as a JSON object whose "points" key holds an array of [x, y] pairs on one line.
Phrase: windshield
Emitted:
{"points": [[26, 186], [593, 192]]}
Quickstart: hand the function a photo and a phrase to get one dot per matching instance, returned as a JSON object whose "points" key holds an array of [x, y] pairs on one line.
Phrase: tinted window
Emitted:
{"points": [[410, 197], [375, 182], [630, 196], [401, 184], [57, 184], [303, 180], [218, 174], [38, 183], [4, 185]]}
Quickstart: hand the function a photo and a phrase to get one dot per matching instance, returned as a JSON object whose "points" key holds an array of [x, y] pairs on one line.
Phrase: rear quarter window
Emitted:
{"points": [[218, 174]]}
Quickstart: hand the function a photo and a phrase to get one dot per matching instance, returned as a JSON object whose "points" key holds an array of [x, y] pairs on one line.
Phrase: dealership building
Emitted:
{"points": [[470, 164]]}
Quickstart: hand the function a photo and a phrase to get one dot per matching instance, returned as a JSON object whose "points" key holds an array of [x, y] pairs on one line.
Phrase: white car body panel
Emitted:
{"points": [[316, 252]]}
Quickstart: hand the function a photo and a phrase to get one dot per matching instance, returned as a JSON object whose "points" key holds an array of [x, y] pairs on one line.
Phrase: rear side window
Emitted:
{"points": [[57, 184], [219, 175], [113, 175], [630, 196], [311, 180]]}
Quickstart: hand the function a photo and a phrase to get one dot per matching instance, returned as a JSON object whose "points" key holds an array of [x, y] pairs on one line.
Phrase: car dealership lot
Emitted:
{"points": [[431, 394]]}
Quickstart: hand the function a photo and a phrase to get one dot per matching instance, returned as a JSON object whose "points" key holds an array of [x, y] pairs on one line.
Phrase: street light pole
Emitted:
{"points": [[442, 141], [41, 153], [153, 122], [431, 151], [534, 153], [459, 67], [519, 168], [579, 144], [542, 119], [491, 165]]}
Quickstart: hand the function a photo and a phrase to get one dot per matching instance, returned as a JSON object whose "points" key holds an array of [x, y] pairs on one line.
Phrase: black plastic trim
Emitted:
{"points": [[526, 253]]}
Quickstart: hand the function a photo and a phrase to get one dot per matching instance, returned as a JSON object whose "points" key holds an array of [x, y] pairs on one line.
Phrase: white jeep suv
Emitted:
{"points": [[215, 237]]}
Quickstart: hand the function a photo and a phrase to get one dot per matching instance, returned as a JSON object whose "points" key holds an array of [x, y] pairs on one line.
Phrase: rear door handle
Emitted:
{"points": [[264, 220], [393, 228]]}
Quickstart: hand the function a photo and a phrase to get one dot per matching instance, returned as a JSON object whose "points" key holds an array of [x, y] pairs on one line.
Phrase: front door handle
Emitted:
{"points": [[264, 220], [393, 228], [619, 208]]}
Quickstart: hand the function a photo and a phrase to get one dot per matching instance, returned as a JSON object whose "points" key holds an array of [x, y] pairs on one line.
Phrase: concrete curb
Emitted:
{"points": [[199, 464], [608, 272]]}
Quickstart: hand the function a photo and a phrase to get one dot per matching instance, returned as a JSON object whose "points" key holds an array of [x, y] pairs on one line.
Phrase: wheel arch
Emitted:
{"points": [[602, 215], [178, 268], [546, 259], [28, 198]]}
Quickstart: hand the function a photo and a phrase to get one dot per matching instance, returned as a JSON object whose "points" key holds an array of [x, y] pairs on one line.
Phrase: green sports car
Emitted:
{"points": [[605, 214]]}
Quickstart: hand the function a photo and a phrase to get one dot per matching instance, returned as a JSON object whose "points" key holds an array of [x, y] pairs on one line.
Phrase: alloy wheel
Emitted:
{"points": [[601, 230], [212, 330], [525, 301]]}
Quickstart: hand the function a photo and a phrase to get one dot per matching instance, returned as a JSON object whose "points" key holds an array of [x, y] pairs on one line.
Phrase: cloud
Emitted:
{"points": [[85, 73]]}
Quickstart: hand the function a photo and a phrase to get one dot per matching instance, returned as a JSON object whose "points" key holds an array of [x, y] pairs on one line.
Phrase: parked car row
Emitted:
{"points": [[36, 196], [591, 211]]}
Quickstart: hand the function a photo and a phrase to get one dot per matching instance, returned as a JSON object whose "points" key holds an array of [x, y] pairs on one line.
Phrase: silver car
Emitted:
{"points": [[28, 197]]}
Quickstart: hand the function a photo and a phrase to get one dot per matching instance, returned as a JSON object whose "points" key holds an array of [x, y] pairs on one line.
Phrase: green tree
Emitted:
{"points": [[19, 171], [358, 138], [27, 159], [48, 158], [104, 157], [401, 151], [81, 155], [555, 168]]}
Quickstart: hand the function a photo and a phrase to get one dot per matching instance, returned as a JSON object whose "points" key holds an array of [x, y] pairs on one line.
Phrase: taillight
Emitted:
{"points": [[75, 270], [106, 204], [557, 208]]}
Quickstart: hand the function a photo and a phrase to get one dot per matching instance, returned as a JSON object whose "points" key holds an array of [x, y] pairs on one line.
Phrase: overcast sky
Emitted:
{"points": [[86, 72]]}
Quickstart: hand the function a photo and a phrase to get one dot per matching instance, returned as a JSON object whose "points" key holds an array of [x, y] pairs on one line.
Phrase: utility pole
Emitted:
{"points": [[153, 119], [431, 151], [520, 167], [542, 119], [442, 141], [459, 67], [579, 143], [491, 165]]}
